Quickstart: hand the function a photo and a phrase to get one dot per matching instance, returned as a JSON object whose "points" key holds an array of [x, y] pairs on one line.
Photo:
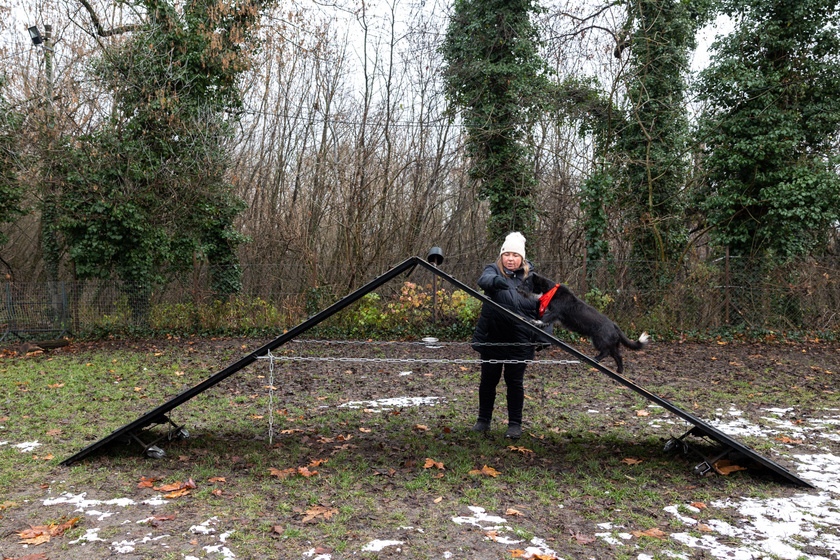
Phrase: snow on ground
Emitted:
{"points": [[785, 528]]}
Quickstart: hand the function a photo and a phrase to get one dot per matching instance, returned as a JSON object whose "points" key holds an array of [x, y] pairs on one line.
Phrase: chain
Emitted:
{"points": [[435, 343], [411, 360], [270, 397]]}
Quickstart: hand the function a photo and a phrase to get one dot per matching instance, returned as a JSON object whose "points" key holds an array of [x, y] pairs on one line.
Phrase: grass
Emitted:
{"points": [[573, 470]]}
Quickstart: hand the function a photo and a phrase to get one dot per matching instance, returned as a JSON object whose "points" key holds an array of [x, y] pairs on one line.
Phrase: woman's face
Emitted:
{"points": [[512, 261]]}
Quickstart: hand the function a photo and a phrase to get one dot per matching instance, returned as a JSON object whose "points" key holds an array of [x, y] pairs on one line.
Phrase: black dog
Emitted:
{"points": [[572, 313]]}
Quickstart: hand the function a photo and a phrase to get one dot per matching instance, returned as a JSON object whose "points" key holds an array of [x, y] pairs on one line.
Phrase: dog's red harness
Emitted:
{"points": [[546, 297]]}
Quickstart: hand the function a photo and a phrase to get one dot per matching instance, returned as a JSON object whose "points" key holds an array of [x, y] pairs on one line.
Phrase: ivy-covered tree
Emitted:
{"points": [[495, 74], [11, 192], [148, 191], [772, 94], [655, 136]]}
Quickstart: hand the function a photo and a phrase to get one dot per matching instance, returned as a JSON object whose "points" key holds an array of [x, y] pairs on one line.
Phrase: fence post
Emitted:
{"points": [[727, 283]]}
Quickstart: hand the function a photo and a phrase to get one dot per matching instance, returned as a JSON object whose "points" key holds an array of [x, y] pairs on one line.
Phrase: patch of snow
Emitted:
{"points": [[378, 545], [480, 518], [388, 404], [27, 446], [204, 528], [90, 535]]}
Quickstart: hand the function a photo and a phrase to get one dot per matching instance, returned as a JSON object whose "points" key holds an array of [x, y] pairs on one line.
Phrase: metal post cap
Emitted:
{"points": [[435, 256]]}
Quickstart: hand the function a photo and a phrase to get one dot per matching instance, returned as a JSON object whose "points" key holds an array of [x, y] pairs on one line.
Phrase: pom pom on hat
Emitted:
{"points": [[514, 243]]}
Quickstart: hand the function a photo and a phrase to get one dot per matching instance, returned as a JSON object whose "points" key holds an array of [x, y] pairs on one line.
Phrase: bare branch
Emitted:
{"points": [[106, 32]]}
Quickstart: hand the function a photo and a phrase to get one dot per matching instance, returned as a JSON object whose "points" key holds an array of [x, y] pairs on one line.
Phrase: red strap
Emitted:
{"points": [[545, 298]]}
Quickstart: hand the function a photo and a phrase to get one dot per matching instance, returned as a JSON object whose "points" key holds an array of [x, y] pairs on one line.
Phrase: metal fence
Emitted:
{"points": [[697, 297]]}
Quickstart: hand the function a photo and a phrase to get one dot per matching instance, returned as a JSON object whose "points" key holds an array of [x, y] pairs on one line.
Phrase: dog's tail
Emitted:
{"points": [[634, 344]]}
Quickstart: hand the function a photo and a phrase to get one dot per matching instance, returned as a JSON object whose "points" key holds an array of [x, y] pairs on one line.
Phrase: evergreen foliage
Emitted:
{"points": [[655, 137], [773, 112], [11, 192], [495, 73], [148, 191]]}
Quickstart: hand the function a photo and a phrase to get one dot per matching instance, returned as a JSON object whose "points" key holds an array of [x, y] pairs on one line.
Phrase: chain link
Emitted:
{"points": [[410, 360], [418, 343]]}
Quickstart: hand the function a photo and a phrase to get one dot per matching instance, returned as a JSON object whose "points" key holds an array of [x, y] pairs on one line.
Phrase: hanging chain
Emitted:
{"points": [[411, 360], [270, 397]]}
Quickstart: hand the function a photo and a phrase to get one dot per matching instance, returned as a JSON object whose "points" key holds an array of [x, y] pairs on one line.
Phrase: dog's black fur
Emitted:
{"points": [[572, 313]]}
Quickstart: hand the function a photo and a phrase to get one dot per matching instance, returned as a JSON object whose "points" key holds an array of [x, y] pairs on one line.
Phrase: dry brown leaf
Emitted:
{"points": [[217, 492], [30, 557], [583, 539], [699, 505], [432, 463], [522, 450], [217, 479], [492, 535], [421, 427], [642, 413], [703, 527], [631, 461], [485, 470], [319, 511], [303, 471], [175, 486], [317, 462], [438, 500], [511, 511], [785, 439], [177, 493], [654, 532], [518, 553], [725, 467]]}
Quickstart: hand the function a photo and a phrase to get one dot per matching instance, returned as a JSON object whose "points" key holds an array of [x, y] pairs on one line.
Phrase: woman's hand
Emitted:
{"points": [[500, 283]]}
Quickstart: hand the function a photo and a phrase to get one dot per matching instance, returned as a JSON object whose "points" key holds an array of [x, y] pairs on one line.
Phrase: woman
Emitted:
{"points": [[498, 337]]}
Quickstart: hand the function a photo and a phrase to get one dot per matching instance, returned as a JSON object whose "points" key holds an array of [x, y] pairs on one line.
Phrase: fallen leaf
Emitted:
{"points": [[725, 467], [485, 470], [583, 539], [631, 461], [698, 505], [177, 493], [176, 486], [146, 482], [41, 534], [217, 492], [654, 533], [317, 462], [421, 427], [30, 557], [518, 553], [319, 511], [158, 520], [217, 479], [56, 385], [432, 463], [438, 500], [511, 511], [56, 432], [492, 535], [642, 413], [522, 450], [303, 471], [703, 527], [785, 439]]}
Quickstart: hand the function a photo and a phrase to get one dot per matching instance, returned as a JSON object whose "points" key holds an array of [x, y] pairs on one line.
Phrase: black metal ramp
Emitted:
{"points": [[729, 446]]}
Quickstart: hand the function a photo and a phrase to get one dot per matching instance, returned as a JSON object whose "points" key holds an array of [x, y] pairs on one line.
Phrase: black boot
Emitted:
{"points": [[514, 431], [481, 426]]}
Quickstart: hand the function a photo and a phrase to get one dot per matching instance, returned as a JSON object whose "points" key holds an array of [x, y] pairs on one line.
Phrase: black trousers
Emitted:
{"points": [[491, 374]]}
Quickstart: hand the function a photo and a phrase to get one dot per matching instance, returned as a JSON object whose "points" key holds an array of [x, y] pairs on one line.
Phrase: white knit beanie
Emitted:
{"points": [[514, 243]]}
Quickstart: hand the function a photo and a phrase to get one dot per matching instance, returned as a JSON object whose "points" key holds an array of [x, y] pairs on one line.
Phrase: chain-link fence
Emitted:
{"points": [[699, 297]]}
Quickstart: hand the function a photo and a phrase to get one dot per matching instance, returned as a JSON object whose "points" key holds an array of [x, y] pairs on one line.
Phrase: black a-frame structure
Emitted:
{"points": [[727, 446]]}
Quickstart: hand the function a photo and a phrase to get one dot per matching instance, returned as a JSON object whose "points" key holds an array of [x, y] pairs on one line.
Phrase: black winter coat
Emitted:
{"points": [[493, 326]]}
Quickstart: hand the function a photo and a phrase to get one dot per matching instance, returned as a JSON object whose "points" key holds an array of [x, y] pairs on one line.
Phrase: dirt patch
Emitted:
{"points": [[588, 479]]}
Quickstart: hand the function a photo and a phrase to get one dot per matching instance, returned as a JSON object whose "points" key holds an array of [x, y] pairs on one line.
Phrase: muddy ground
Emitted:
{"points": [[578, 420]]}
